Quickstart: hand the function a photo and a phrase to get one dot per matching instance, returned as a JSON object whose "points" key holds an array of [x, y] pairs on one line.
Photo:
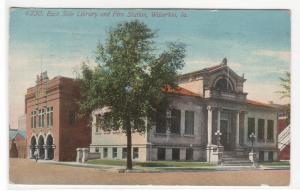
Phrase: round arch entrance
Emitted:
{"points": [[50, 150], [41, 150]]}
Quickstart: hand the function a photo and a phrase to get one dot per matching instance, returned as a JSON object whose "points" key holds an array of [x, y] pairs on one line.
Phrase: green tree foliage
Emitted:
{"points": [[129, 77], [285, 83], [285, 92]]}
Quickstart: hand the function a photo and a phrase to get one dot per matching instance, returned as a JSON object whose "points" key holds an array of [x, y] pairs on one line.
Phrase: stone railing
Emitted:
{"points": [[84, 154], [224, 95], [214, 154]]}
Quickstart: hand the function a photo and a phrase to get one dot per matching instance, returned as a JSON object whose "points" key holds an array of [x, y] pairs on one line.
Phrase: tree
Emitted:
{"points": [[129, 78], [285, 83]]}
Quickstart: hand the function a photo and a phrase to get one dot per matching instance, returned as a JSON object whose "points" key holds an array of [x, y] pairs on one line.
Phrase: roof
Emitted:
{"points": [[14, 132], [258, 104], [180, 91]]}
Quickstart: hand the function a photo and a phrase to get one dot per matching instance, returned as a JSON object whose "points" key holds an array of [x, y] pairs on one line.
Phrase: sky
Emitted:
{"points": [[255, 42]]}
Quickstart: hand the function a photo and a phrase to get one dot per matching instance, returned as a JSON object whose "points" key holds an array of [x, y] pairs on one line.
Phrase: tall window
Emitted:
{"points": [[270, 130], [107, 122], [43, 117], [33, 119], [175, 121], [114, 152], [40, 118], [72, 117], [189, 154], [105, 152], [161, 122], [124, 153], [261, 130], [135, 153], [189, 122], [251, 126], [50, 116]]}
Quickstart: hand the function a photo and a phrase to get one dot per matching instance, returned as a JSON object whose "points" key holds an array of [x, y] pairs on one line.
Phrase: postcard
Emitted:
{"points": [[115, 96]]}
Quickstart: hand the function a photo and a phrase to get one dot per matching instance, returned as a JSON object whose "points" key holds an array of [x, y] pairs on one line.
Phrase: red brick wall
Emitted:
{"points": [[72, 136], [285, 153]]}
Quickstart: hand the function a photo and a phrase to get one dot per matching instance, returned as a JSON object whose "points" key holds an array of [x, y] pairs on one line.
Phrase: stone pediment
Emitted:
{"points": [[218, 81]]}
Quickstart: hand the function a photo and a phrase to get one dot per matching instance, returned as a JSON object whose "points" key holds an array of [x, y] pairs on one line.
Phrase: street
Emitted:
{"points": [[24, 171]]}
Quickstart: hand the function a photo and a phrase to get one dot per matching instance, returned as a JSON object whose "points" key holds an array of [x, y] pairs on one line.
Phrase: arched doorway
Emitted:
{"points": [[32, 146], [41, 150], [50, 151]]}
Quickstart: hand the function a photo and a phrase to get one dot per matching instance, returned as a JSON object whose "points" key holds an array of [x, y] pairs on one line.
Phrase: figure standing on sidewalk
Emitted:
{"points": [[35, 154]]}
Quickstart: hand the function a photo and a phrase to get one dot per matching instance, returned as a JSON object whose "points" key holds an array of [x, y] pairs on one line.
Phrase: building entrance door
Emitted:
{"points": [[225, 135]]}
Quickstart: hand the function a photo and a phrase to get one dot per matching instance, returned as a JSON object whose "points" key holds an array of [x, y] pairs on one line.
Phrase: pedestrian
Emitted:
{"points": [[35, 154]]}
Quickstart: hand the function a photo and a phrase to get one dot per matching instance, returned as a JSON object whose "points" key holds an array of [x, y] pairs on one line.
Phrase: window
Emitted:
{"points": [[106, 122], [135, 153], [223, 85], [189, 122], [124, 153], [50, 116], [105, 152], [97, 149], [40, 118], [175, 154], [251, 127], [43, 117], [72, 118], [189, 154], [270, 156], [161, 122], [175, 121], [97, 129], [270, 131], [161, 154], [114, 152], [33, 119], [261, 129], [261, 156], [98, 120]]}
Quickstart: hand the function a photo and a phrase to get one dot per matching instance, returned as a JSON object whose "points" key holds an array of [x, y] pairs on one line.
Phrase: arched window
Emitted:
{"points": [[223, 85]]}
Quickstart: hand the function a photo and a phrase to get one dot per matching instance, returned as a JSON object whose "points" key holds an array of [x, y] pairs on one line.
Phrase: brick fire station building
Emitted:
{"points": [[53, 126]]}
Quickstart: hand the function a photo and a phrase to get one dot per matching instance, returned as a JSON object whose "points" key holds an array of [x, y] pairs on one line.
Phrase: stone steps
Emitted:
{"points": [[236, 158]]}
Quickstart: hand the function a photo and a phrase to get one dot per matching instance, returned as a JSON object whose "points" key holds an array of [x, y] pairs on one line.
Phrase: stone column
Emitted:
{"points": [[30, 152], [79, 155], [84, 154], [219, 119], [209, 125], [38, 151], [237, 139], [182, 123], [46, 152]]}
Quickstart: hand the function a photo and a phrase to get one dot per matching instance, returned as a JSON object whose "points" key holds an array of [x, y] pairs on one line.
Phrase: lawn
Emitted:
{"points": [[153, 164], [276, 163]]}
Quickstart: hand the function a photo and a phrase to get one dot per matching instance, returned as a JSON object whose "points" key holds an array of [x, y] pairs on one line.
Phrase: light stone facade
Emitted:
{"points": [[215, 99]]}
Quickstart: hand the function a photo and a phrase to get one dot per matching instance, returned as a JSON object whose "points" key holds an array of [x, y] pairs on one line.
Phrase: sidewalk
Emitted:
{"points": [[120, 169]]}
